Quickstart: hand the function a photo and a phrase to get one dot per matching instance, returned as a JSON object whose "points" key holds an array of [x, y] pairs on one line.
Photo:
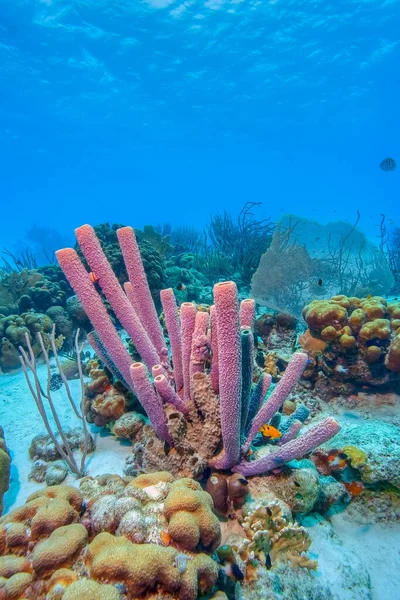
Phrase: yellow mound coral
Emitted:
{"points": [[86, 589], [146, 480], [145, 567], [15, 586], [189, 512], [61, 549], [378, 329], [323, 313], [43, 512]]}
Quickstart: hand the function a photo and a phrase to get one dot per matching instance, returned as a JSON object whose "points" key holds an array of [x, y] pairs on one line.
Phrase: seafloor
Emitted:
{"points": [[358, 552]]}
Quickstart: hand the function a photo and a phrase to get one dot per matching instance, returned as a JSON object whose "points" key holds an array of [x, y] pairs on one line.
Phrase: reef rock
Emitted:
{"points": [[373, 448]]}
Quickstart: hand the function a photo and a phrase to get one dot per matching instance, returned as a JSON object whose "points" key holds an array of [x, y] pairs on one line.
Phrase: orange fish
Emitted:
{"points": [[270, 432], [93, 277], [337, 461], [354, 487], [165, 538]]}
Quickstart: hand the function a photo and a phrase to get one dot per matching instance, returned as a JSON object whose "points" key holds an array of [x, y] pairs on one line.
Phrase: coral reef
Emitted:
{"points": [[213, 368], [70, 554], [352, 342], [13, 330], [5, 463], [372, 448]]}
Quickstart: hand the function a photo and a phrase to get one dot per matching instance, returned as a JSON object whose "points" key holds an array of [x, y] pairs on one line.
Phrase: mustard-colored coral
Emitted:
{"points": [[328, 333], [374, 308], [144, 567], [86, 589], [358, 458], [348, 341], [60, 550], [357, 319], [15, 586], [377, 329], [373, 354], [43, 512], [323, 313], [189, 512], [110, 404], [148, 479]]}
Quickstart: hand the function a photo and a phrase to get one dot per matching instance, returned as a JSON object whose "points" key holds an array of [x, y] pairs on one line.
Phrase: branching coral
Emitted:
{"points": [[272, 533], [212, 357]]}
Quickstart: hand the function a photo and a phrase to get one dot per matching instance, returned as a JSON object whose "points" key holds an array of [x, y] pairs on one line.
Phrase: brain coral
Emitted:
{"points": [[189, 512], [142, 567]]}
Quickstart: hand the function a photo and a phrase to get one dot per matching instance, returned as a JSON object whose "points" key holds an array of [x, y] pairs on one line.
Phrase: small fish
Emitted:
{"points": [[341, 369], [107, 387], [354, 487], [236, 572], [336, 461], [270, 432], [93, 277], [180, 287], [165, 538], [369, 296], [320, 282], [268, 562], [317, 239], [388, 164]]}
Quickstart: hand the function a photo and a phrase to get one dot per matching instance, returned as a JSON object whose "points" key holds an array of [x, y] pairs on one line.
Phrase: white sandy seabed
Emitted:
{"points": [[357, 562]]}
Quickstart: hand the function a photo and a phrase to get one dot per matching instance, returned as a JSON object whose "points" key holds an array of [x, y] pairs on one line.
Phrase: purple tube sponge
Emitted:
{"points": [[93, 305], [278, 396], [230, 372], [143, 301], [150, 400], [111, 287], [173, 324], [296, 448]]}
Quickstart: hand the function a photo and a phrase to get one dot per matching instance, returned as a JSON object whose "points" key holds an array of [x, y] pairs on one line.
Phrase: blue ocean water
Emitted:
{"points": [[163, 110], [248, 373]]}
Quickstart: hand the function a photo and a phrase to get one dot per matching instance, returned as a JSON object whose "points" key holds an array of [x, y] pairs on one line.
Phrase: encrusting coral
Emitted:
{"points": [[353, 340], [213, 366]]}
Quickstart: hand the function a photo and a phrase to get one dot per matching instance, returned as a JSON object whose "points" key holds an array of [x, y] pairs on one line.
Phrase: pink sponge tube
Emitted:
{"points": [[92, 304], [173, 324], [214, 371], [230, 372], [110, 285], [278, 396], [168, 394], [247, 313], [297, 448], [143, 303], [150, 400], [188, 318], [200, 343]]}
